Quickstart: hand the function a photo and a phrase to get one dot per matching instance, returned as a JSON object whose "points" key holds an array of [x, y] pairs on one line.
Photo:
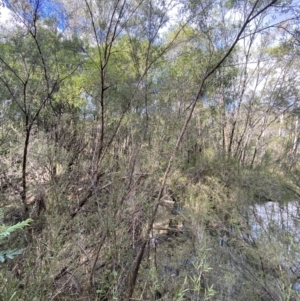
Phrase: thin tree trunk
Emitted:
{"points": [[24, 168]]}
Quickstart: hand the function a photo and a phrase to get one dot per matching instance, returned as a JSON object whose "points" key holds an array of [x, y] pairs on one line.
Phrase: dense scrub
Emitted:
{"points": [[154, 145]]}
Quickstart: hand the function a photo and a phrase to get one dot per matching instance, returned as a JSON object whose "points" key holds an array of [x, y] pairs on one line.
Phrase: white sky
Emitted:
{"points": [[6, 16]]}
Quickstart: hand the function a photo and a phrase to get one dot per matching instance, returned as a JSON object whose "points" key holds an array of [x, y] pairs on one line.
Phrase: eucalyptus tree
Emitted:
{"points": [[284, 97], [33, 68], [263, 93], [232, 93], [200, 10], [123, 48]]}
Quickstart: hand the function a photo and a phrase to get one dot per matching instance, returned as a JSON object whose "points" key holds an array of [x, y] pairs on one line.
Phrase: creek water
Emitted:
{"points": [[283, 218], [279, 223]]}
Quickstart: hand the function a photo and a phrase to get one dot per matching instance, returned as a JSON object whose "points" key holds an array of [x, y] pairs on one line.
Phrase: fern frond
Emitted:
{"points": [[7, 230], [9, 254]]}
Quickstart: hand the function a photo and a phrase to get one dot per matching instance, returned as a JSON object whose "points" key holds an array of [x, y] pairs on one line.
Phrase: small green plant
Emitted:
{"points": [[180, 294], [201, 268], [5, 231]]}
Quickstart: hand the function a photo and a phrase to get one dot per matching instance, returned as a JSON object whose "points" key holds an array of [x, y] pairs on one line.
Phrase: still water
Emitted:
{"points": [[273, 217], [279, 223]]}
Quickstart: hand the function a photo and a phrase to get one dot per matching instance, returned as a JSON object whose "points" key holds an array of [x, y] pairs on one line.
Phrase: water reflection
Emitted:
{"points": [[273, 216], [279, 223]]}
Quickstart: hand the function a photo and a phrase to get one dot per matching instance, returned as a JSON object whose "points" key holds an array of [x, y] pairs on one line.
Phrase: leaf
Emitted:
{"points": [[10, 254], [7, 230]]}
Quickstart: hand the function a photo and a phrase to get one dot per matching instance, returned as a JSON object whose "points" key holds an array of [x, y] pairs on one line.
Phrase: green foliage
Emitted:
{"points": [[5, 232], [115, 100]]}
